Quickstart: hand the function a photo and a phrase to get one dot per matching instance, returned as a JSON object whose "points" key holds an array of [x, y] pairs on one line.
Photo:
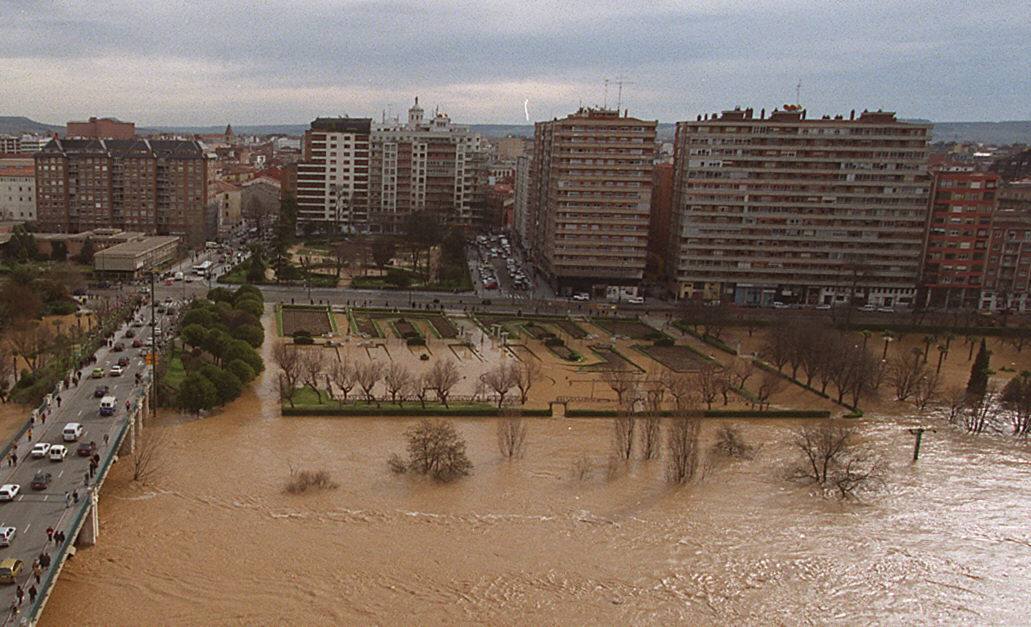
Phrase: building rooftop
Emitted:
{"points": [[138, 246], [20, 170], [342, 125]]}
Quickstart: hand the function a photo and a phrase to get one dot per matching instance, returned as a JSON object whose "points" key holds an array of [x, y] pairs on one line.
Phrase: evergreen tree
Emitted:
{"points": [[86, 254], [58, 251], [978, 383]]}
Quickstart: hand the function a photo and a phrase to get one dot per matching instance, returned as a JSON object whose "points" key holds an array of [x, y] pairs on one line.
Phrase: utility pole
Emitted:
{"points": [[919, 434], [154, 345]]}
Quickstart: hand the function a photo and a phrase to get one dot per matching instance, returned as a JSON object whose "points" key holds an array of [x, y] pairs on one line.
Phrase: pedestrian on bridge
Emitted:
{"points": [[85, 479], [58, 400], [50, 534], [18, 592], [107, 439], [32, 594], [37, 571], [67, 499], [75, 496], [29, 433]]}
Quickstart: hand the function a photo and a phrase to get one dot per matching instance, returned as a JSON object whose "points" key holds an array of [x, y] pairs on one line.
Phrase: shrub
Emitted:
{"points": [[301, 482], [248, 292], [664, 341], [416, 341], [253, 335], [424, 357], [301, 332], [196, 393], [251, 306], [242, 371], [304, 340], [554, 342]]}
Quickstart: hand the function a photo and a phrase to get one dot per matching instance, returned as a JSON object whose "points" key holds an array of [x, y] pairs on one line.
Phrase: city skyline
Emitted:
{"points": [[187, 65]]}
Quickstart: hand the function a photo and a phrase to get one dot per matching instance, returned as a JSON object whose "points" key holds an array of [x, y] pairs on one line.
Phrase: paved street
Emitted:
{"points": [[33, 511]]}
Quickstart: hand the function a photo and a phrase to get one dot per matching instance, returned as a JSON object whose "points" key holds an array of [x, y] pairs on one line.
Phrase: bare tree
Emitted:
{"points": [[312, 366], [436, 449], [1016, 399], [148, 460], [741, 371], [500, 379], [621, 382], [981, 412], [368, 374], [31, 341], [343, 375], [623, 426], [680, 386], [927, 391], [655, 391], [527, 374], [421, 388], [955, 401], [397, 379], [906, 373], [834, 458], [511, 432], [443, 376], [289, 359], [682, 449], [769, 384], [582, 468], [707, 382], [729, 443], [7, 373]]}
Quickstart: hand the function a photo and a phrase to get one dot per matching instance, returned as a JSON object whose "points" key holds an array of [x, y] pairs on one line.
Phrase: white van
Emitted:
{"points": [[108, 405], [72, 432], [178, 276]]}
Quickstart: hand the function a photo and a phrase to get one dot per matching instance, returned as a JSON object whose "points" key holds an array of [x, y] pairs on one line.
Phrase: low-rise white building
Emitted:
{"points": [[18, 193]]}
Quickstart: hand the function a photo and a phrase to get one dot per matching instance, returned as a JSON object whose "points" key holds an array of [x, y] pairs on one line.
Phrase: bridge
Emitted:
{"points": [[70, 503]]}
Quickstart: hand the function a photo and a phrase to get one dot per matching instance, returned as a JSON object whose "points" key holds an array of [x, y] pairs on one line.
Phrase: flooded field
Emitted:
{"points": [[215, 539]]}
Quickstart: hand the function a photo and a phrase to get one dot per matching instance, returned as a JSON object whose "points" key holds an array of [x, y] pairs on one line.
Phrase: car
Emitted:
{"points": [[137, 343], [101, 391], [635, 300], [886, 309], [72, 432], [58, 452], [169, 282], [41, 480], [98, 373], [129, 334], [581, 296], [116, 371], [8, 491], [868, 308], [40, 450], [779, 305], [6, 534], [118, 347], [10, 568], [137, 323], [123, 362], [86, 449], [823, 306]]}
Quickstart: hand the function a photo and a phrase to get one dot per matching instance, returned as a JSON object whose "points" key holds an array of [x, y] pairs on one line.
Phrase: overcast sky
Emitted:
{"points": [[212, 61]]}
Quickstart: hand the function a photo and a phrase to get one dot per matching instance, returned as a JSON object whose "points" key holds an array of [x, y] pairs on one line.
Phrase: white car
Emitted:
{"points": [[115, 371], [635, 300], [823, 307], [8, 491], [581, 296], [58, 452], [6, 534], [886, 309], [40, 450]]}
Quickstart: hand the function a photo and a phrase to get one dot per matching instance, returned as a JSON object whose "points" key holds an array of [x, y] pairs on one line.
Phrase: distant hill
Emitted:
{"points": [[1009, 132], [10, 125]]}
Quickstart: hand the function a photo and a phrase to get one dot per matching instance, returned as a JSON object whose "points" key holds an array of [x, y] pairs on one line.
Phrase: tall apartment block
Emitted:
{"points": [[154, 186], [101, 128], [333, 175], [520, 210], [589, 201], [962, 204], [796, 210], [1007, 281], [425, 165]]}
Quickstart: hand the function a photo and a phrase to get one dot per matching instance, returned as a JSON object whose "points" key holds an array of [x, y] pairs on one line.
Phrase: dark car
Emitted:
{"points": [[137, 343], [86, 449], [101, 391], [41, 480], [123, 362], [118, 347], [129, 334]]}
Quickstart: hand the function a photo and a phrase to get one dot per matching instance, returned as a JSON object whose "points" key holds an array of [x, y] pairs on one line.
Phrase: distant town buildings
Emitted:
{"points": [[962, 204], [17, 192], [1007, 281], [589, 202], [795, 210], [101, 128], [1014, 167], [11, 144], [152, 186]]}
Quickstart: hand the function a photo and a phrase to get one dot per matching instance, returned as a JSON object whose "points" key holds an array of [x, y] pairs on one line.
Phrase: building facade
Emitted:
{"points": [[962, 204], [101, 128], [589, 201], [1007, 281], [520, 209], [18, 193], [795, 210], [152, 186], [662, 212], [332, 188]]}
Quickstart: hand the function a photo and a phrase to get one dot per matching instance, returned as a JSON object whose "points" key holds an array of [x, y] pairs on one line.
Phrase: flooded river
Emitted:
{"points": [[215, 539]]}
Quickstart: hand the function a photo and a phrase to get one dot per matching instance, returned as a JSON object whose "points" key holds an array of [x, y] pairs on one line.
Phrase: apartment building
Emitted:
{"points": [[101, 128], [332, 187], [430, 165], [520, 209], [151, 186], [18, 193], [10, 144], [1007, 280], [796, 210], [962, 204], [590, 201]]}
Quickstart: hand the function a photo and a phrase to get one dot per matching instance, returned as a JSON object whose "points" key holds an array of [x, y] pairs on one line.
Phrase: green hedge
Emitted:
{"points": [[710, 413], [406, 411], [708, 339]]}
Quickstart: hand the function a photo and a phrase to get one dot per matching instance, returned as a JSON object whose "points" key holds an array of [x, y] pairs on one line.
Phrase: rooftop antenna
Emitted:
{"points": [[606, 81], [620, 81], [798, 92]]}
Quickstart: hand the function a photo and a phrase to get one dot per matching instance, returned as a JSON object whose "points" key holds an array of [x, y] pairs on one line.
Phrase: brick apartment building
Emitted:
{"points": [[796, 210], [589, 201], [662, 213], [332, 185], [101, 128], [962, 204], [1007, 280], [151, 186]]}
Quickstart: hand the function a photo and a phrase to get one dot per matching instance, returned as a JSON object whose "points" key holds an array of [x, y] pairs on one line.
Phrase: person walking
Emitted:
{"points": [[67, 499], [32, 595], [58, 400], [29, 434], [18, 592], [107, 438], [75, 496], [37, 570], [85, 479]]}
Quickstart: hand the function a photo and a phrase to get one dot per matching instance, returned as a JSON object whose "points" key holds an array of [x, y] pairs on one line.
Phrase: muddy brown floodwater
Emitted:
{"points": [[215, 540]]}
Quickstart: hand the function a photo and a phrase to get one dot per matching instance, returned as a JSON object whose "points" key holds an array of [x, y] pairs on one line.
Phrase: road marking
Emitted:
{"points": [[26, 529], [46, 497], [59, 474]]}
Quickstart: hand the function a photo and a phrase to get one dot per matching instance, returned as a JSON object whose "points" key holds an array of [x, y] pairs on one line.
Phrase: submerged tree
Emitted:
{"points": [[435, 449], [682, 449], [977, 385]]}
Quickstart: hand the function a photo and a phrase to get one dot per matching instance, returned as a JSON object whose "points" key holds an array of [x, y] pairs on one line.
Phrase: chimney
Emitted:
{"points": [[852, 115], [699, 118], [762, 113]]}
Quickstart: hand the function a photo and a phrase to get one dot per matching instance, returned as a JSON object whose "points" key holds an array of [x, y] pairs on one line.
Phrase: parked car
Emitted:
{"points": [[41, 480], [58, 452], [10, 568], [116, 371], [86, 449], [823, 306], [581, 296], [886, 309], [8, 491], [40, 450], [635, 300], [868, 307], [6, 535], [101, 391], [779, 305]]}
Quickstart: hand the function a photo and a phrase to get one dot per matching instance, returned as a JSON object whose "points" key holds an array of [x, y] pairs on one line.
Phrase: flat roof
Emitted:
{"points": [[138, 247]]}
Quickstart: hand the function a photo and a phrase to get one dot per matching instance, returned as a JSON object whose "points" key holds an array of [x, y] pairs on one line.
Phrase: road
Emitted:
{"points": [[33, 511]]}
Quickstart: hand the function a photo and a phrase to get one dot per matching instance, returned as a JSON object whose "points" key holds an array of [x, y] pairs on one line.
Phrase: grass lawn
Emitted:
{"points": [[175, 374]]}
